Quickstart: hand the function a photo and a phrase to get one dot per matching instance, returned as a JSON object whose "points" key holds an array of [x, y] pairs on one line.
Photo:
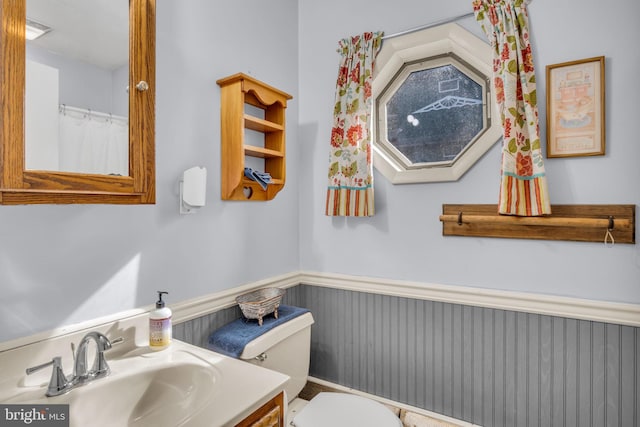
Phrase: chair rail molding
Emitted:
{"points": [[573, 308]]}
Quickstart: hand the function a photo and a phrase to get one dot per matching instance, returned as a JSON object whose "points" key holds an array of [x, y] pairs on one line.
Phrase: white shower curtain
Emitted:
{"points": [[94, 143]]}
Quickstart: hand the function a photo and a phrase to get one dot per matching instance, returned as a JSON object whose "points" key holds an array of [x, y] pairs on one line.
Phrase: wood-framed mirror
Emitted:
{"points": [[22, 185]]}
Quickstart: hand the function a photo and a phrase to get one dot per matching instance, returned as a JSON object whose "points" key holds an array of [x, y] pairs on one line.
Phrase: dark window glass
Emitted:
{"points": [[434, 114]]}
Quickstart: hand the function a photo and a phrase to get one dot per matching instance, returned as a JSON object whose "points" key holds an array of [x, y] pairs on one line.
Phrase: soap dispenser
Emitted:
{"points": [[160, 325]]}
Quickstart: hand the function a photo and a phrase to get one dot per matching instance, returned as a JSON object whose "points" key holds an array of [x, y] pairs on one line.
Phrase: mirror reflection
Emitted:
{"points": [[77, 76]]}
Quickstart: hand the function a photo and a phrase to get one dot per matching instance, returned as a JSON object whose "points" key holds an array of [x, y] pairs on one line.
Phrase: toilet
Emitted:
{"points": [[286, 348]]}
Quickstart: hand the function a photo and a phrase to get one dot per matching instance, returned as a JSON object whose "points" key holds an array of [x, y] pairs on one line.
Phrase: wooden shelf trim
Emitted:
{"points": [[261, 125], [265, 153], [246, 181], [588, 223]]}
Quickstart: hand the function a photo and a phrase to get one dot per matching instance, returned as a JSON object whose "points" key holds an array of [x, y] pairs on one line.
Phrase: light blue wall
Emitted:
{"points": [[404, 239], [65, 264]]}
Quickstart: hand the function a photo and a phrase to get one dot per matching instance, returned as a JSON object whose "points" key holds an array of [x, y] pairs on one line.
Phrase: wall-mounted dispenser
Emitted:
{"points": [[193, 189]]}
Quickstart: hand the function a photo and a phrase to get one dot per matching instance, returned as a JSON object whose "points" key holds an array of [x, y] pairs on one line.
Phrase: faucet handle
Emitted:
{"points": [[58, 384], [118, 340]]}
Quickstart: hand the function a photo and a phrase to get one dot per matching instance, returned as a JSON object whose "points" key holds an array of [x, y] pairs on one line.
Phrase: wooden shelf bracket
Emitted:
{"points": [[586, 223]]}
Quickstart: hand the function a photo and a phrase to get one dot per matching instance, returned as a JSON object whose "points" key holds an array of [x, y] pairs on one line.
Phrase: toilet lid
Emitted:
{"points": [[344, 410]]}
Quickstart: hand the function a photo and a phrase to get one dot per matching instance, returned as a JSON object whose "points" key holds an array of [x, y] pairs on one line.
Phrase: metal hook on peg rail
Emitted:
{"points": [[609, 241]]}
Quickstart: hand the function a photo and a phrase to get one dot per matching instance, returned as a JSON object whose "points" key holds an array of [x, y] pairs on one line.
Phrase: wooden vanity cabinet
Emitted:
{"points": [[271, 414]]}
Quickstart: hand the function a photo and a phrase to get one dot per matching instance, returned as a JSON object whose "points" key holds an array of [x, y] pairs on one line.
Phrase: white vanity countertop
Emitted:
{"points": [[149, 388]]}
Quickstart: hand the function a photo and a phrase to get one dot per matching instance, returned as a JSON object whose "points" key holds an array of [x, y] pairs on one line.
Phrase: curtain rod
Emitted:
{"points": [[62, 108], [434, 24]]}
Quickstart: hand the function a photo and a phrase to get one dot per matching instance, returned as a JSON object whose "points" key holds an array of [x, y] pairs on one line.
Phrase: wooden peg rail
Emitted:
{"points": [[584, 223]]}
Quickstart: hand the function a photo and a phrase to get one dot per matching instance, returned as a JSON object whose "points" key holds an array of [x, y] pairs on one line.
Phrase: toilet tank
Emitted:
{"points": [[286, 349]]}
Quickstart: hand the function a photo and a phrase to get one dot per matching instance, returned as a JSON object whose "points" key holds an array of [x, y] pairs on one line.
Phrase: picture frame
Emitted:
{"points": [[576, 108]]}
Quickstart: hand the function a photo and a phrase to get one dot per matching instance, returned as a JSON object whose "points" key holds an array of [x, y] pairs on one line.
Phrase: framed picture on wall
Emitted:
{"points": [[575, 108]]}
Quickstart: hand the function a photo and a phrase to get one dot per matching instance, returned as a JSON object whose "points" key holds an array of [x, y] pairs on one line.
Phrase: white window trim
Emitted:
{"points": [[424, 44]]}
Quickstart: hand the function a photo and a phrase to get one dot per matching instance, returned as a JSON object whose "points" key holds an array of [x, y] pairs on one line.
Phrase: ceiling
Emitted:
{"points": [[93, 31]]}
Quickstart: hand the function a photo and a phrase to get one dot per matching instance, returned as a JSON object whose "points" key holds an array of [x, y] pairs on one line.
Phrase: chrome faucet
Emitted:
{"points": [[60, 383], [81, 372]]}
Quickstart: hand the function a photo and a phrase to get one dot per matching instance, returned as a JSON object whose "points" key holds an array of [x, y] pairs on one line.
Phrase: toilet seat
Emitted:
{"points": [[344, 410]]}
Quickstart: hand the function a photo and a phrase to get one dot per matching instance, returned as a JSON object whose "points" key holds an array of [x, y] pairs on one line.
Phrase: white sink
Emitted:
{"points": [[183, 385]]}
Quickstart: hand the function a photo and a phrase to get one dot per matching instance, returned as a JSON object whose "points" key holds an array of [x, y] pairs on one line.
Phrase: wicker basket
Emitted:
{"points": [[259, 303]]}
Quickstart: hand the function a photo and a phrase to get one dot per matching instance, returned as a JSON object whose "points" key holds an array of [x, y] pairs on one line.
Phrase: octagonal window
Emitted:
{"points": [[433, 105], [432, 112]]}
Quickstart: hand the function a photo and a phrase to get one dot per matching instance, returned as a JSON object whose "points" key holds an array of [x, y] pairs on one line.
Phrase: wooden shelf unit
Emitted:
{"points": [[236, 92]]}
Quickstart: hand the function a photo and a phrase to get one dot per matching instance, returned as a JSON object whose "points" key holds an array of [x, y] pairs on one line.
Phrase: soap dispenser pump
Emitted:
{"points": [[160, 325]]}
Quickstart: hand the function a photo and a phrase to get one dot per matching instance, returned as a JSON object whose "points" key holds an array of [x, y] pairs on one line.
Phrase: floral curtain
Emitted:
{"points": [[523, 189], [350, 189]]}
